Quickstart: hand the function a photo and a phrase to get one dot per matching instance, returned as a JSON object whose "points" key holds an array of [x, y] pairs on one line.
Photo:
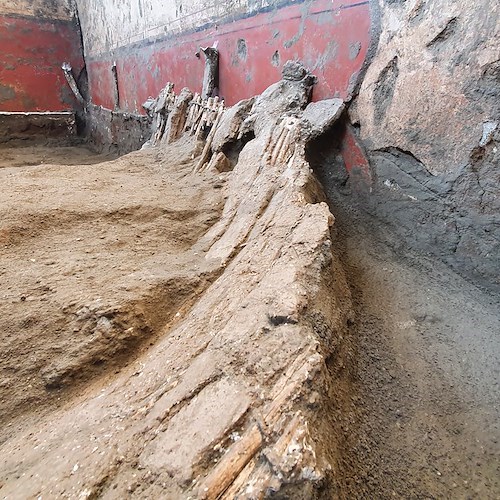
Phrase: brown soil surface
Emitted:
{"points": [[33, 152], [93, 262]]}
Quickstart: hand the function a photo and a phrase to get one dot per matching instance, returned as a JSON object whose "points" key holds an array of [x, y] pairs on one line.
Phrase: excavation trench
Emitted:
{"points": [[226, 336]]}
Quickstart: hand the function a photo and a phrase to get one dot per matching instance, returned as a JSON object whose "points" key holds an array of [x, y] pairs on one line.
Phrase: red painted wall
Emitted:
{"points": [[31, 53], [331, 37]]}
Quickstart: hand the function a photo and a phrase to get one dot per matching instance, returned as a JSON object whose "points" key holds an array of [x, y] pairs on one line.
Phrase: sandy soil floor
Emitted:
{"points": [[32, 152], [87, 255]]}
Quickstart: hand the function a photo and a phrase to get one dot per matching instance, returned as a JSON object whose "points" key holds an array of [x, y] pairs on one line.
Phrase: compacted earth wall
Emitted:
{"points": [[428, 113]]}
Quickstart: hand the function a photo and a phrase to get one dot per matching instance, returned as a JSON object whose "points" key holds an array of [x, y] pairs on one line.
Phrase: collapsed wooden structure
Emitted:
{"points": [[203, 116]]}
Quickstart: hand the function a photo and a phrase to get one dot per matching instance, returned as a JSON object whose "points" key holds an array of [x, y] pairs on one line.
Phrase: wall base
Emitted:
{"points": [[18, 125], [116, 131], [446, 217]]}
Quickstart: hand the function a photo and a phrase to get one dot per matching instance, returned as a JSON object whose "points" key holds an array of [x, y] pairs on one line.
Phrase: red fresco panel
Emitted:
{"points": [[330, 37], [31, 54]]}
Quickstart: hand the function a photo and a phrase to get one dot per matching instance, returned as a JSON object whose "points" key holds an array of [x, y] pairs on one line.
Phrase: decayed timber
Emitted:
{"points": [[205, 155], [175, 114], [211, 74], [231, 464], [246, 448], [68, 74]]}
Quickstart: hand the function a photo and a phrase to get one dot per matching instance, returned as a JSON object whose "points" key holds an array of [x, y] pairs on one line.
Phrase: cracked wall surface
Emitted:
{"points": [[428, 114], [50, 9]]}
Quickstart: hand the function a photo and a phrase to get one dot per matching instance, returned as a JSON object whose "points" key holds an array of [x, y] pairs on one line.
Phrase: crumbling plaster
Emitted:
{"points": [[49, 9], [428, 113], [111, 24]]}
